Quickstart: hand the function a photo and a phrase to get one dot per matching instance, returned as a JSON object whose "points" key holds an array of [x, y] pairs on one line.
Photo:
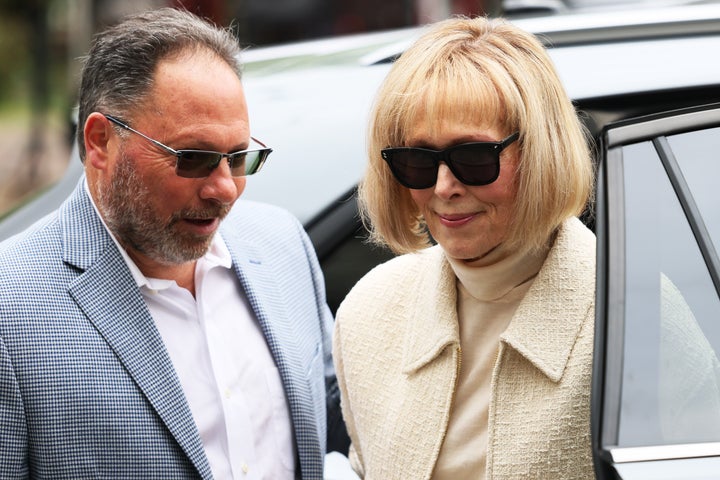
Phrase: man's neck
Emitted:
{"points": [[183, 274]]}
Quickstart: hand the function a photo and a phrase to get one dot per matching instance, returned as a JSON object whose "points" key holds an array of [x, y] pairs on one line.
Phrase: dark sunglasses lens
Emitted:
{"points": [[413, 168], [475, 164], [196, 164]]}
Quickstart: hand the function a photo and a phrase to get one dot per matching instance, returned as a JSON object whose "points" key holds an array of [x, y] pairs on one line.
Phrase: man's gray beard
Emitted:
{"points": [[126, 206]]}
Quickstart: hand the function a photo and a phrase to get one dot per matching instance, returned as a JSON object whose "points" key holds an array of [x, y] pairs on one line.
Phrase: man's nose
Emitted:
{"points": [[220, 185]]}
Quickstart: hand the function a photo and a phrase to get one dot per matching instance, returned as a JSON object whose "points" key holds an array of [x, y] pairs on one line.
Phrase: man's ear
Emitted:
{"points": [[97, 138]]}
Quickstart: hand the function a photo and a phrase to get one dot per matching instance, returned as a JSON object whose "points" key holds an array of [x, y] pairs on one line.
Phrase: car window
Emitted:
{"points": [[347, 263], [697, 156], [671, 372]]}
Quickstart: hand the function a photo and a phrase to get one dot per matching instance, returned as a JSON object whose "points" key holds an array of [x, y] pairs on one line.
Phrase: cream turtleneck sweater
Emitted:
{"points": [[487, 299]]}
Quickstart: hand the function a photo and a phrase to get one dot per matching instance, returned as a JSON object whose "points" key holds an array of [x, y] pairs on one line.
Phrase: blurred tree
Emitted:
{"points": [[31, 17], [13, 54], [215, 10]]}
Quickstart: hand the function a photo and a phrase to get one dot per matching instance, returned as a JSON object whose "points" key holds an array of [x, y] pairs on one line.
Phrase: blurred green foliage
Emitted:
{"points": [[14, 60], [33, 58]]}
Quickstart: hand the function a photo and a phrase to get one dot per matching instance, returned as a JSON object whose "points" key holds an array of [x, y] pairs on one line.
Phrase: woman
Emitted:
{"points": [[472, 358]]}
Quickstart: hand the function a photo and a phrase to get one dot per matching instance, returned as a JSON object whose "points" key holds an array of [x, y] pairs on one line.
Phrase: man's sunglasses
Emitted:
{"points": [[200, 163], [476, 163]]}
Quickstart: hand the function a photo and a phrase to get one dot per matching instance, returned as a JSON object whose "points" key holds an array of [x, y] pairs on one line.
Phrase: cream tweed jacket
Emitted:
{"points": [[397, 356]]}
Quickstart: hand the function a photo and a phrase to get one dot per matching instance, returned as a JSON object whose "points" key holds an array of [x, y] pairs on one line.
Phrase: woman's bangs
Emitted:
{"points": [[469, 99]]}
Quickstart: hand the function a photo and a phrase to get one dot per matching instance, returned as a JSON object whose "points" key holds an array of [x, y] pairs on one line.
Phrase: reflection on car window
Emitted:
{"points": [[689, 399], [671, 372]]}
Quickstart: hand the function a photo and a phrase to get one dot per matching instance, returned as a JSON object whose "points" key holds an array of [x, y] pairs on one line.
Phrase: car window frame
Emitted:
{"points": [[611, 460]]}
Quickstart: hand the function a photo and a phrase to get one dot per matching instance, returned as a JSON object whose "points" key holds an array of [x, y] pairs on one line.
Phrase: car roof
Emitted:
{"points": [[573, 27]]}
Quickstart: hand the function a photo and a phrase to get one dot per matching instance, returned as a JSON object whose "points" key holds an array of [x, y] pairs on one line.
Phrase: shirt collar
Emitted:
{"points": [[217, 255]]}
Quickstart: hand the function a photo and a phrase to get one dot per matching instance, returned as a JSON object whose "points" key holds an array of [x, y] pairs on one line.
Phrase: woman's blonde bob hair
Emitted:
{"points": [[484, 72]]}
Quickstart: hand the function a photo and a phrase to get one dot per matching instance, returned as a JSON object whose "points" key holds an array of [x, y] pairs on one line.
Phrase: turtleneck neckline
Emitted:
{"points": [[495, 281]]}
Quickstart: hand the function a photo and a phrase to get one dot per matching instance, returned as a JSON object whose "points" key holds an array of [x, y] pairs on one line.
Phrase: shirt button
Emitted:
{"points": [[228, 393], [245, 468]]}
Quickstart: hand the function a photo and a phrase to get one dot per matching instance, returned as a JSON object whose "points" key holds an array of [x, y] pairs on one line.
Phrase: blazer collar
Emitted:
{"points": [[546, 323], [84, 236], [108, 295]]}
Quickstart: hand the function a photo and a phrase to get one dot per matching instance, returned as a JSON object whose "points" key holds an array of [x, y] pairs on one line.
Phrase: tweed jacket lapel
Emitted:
{"points": [[546, 324], [429, 367], [108, 295], [433, 310], [544, 328]]}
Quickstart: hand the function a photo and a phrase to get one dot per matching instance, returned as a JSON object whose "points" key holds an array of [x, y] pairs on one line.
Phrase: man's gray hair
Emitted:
{"points": [[119, 68]]}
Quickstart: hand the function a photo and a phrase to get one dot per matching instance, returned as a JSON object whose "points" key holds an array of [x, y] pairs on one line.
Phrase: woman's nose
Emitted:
{"points": [[447, 184]]}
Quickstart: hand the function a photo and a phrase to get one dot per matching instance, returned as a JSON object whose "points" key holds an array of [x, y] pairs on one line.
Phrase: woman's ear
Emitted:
{"points": [[97, 137]]}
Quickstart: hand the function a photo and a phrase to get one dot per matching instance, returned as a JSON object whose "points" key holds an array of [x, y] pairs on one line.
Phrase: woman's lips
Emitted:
{"points": [[456, 219]]}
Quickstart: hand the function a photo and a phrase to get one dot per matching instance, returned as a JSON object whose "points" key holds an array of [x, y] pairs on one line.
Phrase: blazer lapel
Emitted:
{"points": [[266, 300], [110, 298], [260, 285]]}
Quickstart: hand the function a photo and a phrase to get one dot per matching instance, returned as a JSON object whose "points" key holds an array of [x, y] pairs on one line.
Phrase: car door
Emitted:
{"points": [[656, 373]]}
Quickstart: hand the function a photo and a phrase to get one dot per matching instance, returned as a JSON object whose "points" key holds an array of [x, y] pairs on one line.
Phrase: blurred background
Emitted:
{"points": [[42, 43]]}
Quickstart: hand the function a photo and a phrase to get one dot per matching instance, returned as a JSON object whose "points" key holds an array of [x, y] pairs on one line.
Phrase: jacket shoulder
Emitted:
{"points": [[387, 284], [260, 215], [263, 225], [30, 250]]}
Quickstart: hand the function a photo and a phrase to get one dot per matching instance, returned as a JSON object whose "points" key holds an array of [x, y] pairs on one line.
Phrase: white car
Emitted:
{"points": [[656, 384]]}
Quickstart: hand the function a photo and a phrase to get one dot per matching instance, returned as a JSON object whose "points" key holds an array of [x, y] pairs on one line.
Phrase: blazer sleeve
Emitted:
{"points": [[13, 430], [337, 436]]}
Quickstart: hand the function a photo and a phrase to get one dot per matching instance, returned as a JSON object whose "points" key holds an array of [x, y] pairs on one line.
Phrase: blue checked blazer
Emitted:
{"points": [[87, 389]]}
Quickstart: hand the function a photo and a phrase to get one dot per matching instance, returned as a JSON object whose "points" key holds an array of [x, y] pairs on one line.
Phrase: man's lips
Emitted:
{"points": [[203, 226], [200, 221]]}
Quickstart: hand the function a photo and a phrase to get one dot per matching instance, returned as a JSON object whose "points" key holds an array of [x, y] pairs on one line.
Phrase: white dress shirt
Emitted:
{"points": [[225, 367]]}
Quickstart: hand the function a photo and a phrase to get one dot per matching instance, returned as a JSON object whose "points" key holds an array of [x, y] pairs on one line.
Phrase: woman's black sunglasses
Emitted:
{"points": [[476, 163], [200, 163]]}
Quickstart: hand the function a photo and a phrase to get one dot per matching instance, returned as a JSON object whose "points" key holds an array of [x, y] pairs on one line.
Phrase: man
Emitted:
{"points": [[136, 341]]}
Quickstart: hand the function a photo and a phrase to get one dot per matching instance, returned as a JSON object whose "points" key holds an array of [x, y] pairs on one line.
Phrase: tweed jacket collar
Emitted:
{"points": [[543, 329]]}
